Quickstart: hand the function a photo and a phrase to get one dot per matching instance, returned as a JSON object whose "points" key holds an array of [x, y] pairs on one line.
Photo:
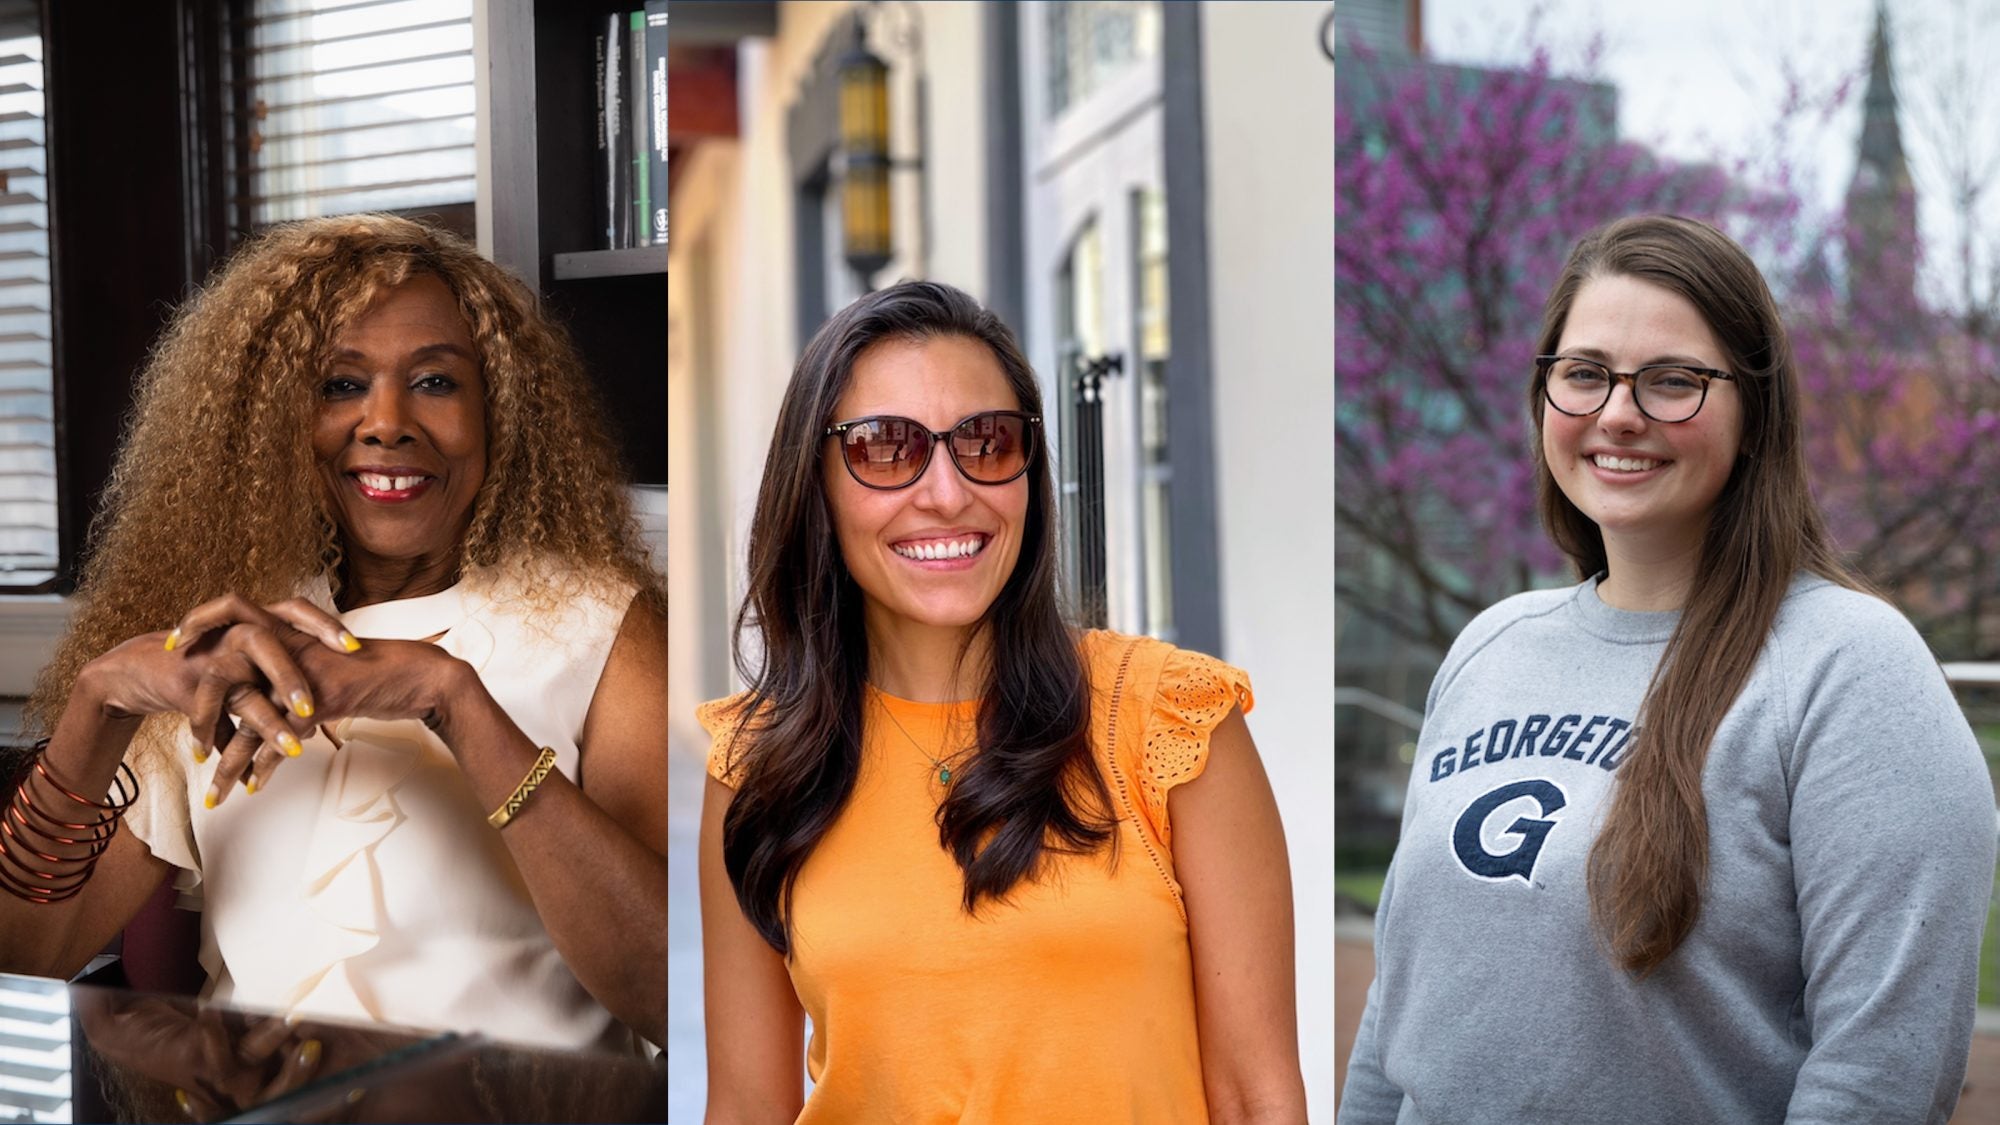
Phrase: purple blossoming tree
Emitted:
{"points": [[1460, 192]]}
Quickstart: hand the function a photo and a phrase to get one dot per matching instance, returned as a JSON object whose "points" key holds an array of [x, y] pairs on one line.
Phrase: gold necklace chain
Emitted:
{"points": [[941, 765]]}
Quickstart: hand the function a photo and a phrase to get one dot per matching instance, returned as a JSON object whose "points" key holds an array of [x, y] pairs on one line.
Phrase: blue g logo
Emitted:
{"points": [[1520, 862]]}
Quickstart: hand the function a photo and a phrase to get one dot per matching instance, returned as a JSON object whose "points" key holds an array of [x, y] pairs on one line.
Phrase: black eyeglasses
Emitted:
{"points": [[1664, 392], [886, 451]]}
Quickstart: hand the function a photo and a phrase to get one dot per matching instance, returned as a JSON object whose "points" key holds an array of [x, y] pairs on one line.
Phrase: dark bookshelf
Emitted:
{"points": [[637, 261], [614, 302]]}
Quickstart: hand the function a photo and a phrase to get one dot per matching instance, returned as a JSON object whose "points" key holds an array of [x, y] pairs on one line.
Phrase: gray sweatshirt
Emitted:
{"points": [[1833, 972]]}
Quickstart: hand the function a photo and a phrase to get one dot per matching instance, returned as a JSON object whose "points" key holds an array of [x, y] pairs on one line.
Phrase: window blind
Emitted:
{"points": [[34, 1050], [355, 105], [27, 406]]}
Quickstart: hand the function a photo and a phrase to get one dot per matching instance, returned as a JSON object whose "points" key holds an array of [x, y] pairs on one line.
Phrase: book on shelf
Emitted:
{"points": [[637, 122], [617, 147], [630, 55], [600, 174], [656, 118]]}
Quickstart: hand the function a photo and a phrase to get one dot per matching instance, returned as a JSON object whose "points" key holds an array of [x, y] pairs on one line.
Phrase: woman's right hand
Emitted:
{"points": [[225, 659]]}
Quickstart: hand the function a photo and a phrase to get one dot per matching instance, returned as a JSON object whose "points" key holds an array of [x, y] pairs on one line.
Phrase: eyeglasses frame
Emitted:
{"points": [[1543, 363], [940, 439]]}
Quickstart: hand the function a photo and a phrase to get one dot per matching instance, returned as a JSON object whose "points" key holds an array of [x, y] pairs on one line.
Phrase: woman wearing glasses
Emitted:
{"points": [[1012, 871], [1706, 837]]}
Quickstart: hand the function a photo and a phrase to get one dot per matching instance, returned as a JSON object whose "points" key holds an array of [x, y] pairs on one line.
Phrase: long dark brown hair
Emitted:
{"points": [[1650, 862], [1031, 787]]}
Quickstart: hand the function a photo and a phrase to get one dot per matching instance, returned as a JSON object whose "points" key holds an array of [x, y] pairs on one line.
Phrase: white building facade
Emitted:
{"points": [[1141, 189]]}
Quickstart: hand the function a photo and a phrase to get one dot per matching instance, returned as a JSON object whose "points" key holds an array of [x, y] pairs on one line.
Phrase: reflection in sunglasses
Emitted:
{"points": [[889, 451]]}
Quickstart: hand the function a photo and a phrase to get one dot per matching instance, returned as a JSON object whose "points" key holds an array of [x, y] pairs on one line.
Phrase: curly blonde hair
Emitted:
{"points": [[216, 490]]}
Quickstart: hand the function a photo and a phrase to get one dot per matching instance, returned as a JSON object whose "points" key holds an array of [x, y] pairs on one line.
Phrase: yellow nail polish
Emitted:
{"points": [[302, 704], [208, 801], [250, 787], [200, 756], [181, 1099], [309, 1054], [291, 743], [348, 642], [173, 639]]}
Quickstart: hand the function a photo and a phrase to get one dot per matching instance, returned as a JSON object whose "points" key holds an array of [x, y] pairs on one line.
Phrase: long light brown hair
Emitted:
{"points": [[215, 489], [1649, 865]]}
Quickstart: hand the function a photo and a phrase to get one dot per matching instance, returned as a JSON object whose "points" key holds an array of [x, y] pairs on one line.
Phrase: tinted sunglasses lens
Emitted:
{"points": [[993, 448], [885, 452]]}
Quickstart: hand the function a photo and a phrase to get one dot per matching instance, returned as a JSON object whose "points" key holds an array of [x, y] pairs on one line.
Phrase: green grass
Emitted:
{"points": [[1989, 739], [1989, 954], [1989, 946], [1364, 885]]}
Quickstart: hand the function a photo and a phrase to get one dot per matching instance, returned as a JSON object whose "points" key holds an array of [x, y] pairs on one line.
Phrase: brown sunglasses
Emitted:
{"points": [[886, 451]]}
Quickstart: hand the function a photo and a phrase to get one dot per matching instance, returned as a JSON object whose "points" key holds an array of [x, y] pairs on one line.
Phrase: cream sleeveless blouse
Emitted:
{"points": [[363, 881]]}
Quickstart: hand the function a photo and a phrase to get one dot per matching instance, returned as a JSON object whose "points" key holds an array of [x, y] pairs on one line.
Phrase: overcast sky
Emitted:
{"points": [[1705, 78]]}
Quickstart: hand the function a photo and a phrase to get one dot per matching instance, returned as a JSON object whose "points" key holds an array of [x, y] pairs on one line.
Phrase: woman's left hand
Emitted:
{"points": [[382, 680], [347, 678]]}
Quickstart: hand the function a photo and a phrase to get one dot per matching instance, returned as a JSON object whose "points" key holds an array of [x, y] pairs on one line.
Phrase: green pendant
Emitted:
{"points": [[944, 774]]}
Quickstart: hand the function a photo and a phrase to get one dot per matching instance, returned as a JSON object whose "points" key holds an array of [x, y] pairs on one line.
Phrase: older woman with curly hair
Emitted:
{"points": [[365, 558]]}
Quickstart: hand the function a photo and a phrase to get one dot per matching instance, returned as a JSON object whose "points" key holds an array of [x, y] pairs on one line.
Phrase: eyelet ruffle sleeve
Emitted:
{"points": [[1195, 694], [723, 720]]}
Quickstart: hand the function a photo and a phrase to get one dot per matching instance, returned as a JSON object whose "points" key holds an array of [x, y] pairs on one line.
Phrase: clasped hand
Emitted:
{"points": [[221, 1062], [253, 680]]}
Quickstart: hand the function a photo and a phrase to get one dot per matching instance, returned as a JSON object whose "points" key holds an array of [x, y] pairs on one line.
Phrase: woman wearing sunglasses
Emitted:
{"points": [[1012, 871], [1705, 838]]}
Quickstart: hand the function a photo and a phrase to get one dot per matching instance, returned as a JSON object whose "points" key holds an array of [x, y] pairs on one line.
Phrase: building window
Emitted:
{"points": [[1152, 331], [356, 106], [1091, 41], [1079, 294]]}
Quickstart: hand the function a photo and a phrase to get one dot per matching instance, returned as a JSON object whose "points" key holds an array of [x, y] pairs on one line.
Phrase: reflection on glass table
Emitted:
{"points": [[87, 1053]]}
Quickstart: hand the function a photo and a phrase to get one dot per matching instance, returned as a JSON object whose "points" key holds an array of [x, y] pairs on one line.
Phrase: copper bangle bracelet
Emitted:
{"points": [[23, 818], [96, 841], [127, 793]]}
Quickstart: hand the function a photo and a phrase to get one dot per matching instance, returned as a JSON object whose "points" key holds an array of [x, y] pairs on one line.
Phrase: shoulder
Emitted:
{"points": [[1508, 612], [1104, 651], [1175, 700], [1170, 676], [636, 664], [1494, 622], [1841, 616], [552, 594], [1855, 672], [1825, 629], [723, 717]]}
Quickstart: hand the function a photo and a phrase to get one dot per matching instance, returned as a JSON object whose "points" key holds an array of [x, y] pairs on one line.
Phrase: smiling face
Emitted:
{"points": [[401, 434], [938, 552], [1649, 486]]}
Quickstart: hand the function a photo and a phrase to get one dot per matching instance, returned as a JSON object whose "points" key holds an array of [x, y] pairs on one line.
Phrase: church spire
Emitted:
{"points": [[1881, 201], [1881, 136]]}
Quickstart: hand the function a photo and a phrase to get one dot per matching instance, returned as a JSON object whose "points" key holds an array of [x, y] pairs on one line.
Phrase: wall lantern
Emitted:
{"points": [[864, 145]]}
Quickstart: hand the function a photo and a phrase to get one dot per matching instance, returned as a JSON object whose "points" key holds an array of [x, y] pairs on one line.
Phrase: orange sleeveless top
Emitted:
{"points": [[1073, 1001]]}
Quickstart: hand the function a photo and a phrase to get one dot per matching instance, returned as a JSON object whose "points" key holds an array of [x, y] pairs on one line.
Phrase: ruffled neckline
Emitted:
{"points": [[359, 807], [411, 619]]}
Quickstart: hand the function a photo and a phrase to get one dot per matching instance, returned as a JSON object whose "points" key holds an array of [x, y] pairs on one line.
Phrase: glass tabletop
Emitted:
{"points": [[78, 1052]]}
